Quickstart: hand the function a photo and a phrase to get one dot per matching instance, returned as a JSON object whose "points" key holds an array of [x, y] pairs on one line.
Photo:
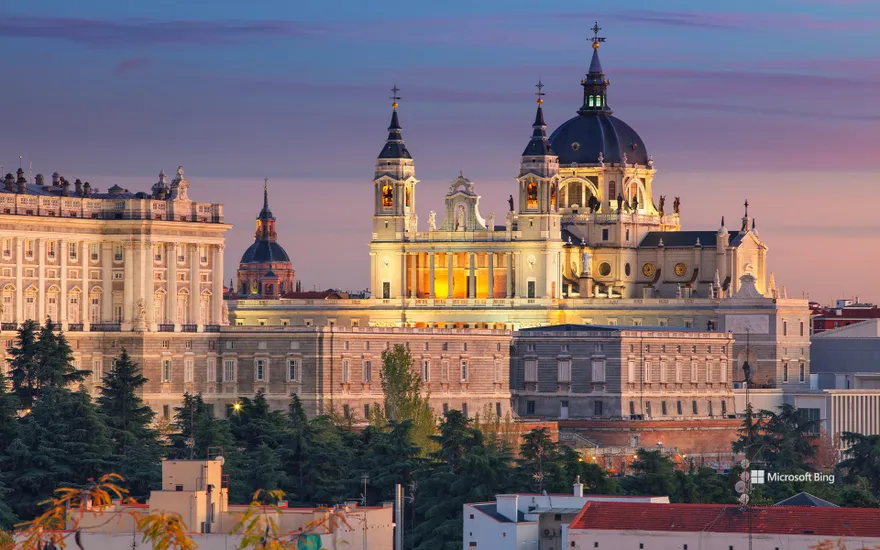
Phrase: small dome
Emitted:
{"points": [[582, 138], [264, 252]]}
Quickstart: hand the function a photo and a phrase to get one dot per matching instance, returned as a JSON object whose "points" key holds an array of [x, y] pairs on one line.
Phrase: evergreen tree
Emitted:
{"points": [[137, 451], [392, 458], [862, 459], [259, 433], [198, 430], [594, 478], [654, 476], [542, 463], [39, 362], [8, 434], [24, 364]]}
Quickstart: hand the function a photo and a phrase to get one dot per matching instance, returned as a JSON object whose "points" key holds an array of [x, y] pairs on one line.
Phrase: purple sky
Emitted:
{"points": [[776, 104]]}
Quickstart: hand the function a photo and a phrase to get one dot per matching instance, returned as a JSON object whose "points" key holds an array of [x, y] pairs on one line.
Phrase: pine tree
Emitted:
{"points": [[392, 458], [259, 433], [137, 451], [8, 434], [24, 365]]}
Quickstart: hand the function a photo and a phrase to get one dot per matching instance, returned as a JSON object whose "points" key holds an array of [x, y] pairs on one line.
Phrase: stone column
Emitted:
{"points": [[148, 267], [450, 259], [195, 297], [19, 280], [414, 275], [490, 289], [403, 257], [62, 307], [509, 257], [41, 281], [84, 297], [106, 281], [472, 287], [217, 284], [431, 272], [128, 285], [171, 284]]}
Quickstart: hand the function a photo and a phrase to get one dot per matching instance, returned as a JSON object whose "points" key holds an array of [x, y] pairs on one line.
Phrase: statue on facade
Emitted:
{"points": [[619, 202], [623, 161], [593, 203], [510, 202], [141, 310], [586, 261], [490, 221], [635, 205], [601, 159], [225, 317], [675, 205], [432, 221], [662, 204], [460, 218]]}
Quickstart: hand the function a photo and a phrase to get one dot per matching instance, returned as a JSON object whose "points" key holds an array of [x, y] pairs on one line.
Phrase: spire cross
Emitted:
{"points": [[265, 184], [596, 40], [746, 204], [540, 87], [394, 97]]}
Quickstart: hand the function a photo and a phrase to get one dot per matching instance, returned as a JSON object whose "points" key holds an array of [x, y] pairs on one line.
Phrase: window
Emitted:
{"points": [[648, 408], [188, 370], [464, 371], [29, 248], [229, 370], [632, 408], [597, 408], [426, 370], [802, 328], [631, 371], [293, 370], [678, 408], [694, 372], [711, 412], [785, 328], [647, 375], [166, 412], [604, 234], [117, 252], [694, 406], [211, 370], [368, 370], [688, 323], [260, 370], [530, 407], [366, 410], [499, 371], [189, 344], [709, 369], [663, 372], [50, 249], [723, 408], [563, 370], [598, 370], [464, 347], [230, 344], [346, 371], [531, 370], [802, 371], [612, 191], [261, 345], [445, 408], [166, 370], [663, 408], [72, 251], [97, 370], [464, 410], [785, 373], [444, 371], [678, 370], [498, 409], [723, 372], [563, 347]]}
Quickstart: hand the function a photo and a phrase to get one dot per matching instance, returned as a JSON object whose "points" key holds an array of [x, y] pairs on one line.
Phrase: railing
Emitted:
{"points": [[105, 327], [166, 327], [212, 328], [75, 327], [8, 326], [189, 328]]}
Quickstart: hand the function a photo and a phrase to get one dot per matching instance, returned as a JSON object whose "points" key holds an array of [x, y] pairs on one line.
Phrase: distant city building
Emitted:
{"points": [[265, 270], [612, 525], [529, 520], [198, 491], [844, 313]]}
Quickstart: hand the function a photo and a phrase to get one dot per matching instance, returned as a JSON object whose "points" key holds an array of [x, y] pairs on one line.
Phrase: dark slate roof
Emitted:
{"points": [[595, 65], [681, 239], [538, 145], [264, 252], [34, 189], [594, 132], [394, 146], [491, 510], [571, 327], [806, 499]]}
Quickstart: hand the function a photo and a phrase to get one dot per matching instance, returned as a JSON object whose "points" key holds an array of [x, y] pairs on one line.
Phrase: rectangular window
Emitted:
{"points": [[604, 234], [632, 408], [709, 369], [117, 252], [260, 370], [678, 408], [663, 372], [648, 408], [166, 412], [444, 371], [188, 368], [531, 370], [368, 370], [261, 345], [802, 372], [647, 375], [445, 408], [631, 371], [426, 370], [597, 408], [293, 370], [688, 323], [663, 408], [723, 372], [694, 372], [230, 344], [530, 407], [72, 251], [464, 371], [563, 370], [229, 370], [694, 406], [346, 371], [785, 373], [211, 370], [785, 328], [598, 370], [802, 328], [98, 370], [166, 370], [678, 372], [723, 408], [464, 410], [50, 249]]}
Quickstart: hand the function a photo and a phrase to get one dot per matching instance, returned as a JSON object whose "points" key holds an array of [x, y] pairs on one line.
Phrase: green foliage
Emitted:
{"points": [[136, 446], [405, 397], [259, 434], [862, 459], [391, 458], [780, 441]]}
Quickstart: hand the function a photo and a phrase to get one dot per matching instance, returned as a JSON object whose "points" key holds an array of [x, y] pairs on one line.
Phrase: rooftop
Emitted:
{"points": [[722, 518]]}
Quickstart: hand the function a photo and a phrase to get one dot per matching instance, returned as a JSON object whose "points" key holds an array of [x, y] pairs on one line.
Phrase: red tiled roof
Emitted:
{"points": [[722, 518], [315, 295]]}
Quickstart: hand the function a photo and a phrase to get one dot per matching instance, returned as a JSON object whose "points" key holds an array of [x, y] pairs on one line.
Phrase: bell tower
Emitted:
{"points": [[538, 182], [394, 185]]}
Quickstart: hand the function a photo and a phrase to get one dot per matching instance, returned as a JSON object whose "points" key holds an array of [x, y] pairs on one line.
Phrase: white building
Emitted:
{"points": [[649, 526], [526, 521]]}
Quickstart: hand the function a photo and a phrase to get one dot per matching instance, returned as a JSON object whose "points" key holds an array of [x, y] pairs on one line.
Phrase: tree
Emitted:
{"points": [[654, 476], [862, 459], [136, 448], [781, 441], [8, 434], [594, 478], [541, 462], [404, 399], [392, 458], [259, 433], [39, 362]]}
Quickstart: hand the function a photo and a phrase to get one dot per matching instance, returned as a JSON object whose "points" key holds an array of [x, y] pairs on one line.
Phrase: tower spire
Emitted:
{"points": [[538, 145], [265, 213], [595, 84], [394, 146]]}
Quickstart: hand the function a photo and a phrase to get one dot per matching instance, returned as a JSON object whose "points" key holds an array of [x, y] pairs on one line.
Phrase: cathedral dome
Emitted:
{"points": [[264, 252], [582, 138]]}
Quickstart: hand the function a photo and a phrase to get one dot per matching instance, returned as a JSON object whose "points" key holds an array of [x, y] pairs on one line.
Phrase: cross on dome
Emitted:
{"points": [[394, 97], [596, 39], [540, 93]]}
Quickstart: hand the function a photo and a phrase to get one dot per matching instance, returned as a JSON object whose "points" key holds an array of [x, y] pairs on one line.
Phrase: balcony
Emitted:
{"points": [[75, 327], [8, 326], [212, 328], [189, 328], [166, 327], [105, 327]]}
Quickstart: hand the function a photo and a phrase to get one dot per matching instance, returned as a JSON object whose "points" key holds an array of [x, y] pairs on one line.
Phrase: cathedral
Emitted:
{"points": [[587, 240]]}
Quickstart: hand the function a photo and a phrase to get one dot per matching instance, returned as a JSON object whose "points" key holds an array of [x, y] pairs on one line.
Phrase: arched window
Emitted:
{"points": [[532, 195], [387, 196], [612, 191], [598, 101], [591, 101], [408, 197], [553, 196]]}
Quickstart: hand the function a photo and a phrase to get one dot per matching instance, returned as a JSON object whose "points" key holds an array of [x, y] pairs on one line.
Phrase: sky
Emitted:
{"points": [[770, 100]]}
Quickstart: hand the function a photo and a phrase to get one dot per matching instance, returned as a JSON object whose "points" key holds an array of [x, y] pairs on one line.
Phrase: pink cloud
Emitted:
{"points": [[132, 64]]}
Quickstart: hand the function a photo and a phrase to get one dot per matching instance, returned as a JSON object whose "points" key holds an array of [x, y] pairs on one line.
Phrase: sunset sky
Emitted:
{"points": [[774, 101]]}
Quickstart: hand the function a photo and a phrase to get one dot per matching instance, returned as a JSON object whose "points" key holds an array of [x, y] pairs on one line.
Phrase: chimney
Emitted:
{"points": [[77, 186], [578, 487], [21, 181], [87, 189], [507, 506], [38, 179], [9, 183], [65, 188], [56, 177]]}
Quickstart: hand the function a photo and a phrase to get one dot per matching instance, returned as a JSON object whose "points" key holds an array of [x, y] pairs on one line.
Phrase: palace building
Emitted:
{"points": [[588, 239]]}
